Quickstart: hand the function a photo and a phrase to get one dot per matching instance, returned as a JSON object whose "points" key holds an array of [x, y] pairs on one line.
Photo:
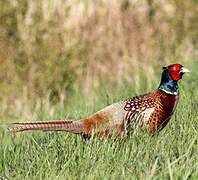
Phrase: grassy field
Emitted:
{"points": [[172, 154], [56, 64]]}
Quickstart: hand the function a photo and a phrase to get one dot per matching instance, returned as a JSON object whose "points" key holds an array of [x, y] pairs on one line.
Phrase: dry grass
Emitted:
{"points": [[63, 59], [48, 49]]}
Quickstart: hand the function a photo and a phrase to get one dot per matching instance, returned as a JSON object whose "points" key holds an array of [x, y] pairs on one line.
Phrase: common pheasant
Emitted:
{"points": [[151, 111]]}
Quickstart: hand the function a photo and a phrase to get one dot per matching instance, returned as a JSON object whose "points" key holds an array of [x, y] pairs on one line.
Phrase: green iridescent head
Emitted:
{"points": [[170, 75]]}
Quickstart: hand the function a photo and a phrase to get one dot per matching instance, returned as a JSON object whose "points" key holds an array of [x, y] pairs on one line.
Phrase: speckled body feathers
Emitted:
{"points": [[151, 111]]}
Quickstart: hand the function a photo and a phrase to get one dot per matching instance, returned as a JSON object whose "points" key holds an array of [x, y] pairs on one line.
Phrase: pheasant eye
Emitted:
{"points": [[174, 68]]}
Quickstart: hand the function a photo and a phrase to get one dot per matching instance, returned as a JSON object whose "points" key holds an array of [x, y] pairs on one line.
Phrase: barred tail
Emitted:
{"points": [[61, 125]]}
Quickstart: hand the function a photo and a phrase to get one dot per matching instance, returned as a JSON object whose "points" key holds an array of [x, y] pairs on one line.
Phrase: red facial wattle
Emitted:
{"points": [[175, 71], [175, 75]]}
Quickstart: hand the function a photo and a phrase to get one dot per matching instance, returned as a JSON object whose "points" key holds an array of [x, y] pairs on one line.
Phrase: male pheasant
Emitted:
{"points": [[150, 111]]}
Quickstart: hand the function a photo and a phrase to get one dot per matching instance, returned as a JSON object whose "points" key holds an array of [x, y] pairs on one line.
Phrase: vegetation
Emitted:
{"points": [[61, 59], [50, 49], [172, 154]]}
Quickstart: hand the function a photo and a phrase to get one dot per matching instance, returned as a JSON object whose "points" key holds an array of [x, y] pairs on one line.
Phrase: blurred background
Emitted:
{"points": [[51, 50]]}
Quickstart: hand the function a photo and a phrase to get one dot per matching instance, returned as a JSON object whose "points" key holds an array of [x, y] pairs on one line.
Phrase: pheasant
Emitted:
{"points": [[151, 111]]}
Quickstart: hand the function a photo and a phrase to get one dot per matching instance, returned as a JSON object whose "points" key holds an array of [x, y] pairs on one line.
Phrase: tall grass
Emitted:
{"points": [[172, 154], [62, 59]]}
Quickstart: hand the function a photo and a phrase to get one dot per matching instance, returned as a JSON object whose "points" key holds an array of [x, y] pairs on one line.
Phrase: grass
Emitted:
{"points": [[47, 51], [172, 154]]}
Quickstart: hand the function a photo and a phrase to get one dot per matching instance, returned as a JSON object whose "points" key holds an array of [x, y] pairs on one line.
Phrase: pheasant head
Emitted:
{"points": [[171, 74]]}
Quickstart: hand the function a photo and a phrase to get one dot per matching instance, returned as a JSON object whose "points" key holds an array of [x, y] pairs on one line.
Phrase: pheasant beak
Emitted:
{"points": [[184, 70]]}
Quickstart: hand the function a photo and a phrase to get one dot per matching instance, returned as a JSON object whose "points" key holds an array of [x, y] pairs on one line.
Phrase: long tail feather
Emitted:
{"points": [[61, 125]]}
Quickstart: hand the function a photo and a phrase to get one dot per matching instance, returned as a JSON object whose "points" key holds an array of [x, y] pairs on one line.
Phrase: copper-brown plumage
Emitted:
{"points": [[151, 111]]}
